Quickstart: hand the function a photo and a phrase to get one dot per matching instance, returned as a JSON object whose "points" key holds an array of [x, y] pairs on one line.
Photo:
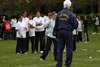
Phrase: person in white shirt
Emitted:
{"points": [[50, 39], [75, 33], [80, 29], [25, 21], [96, 24], [46, 19], [40, 34], [21, 36], [32, 32], [13, 30]]}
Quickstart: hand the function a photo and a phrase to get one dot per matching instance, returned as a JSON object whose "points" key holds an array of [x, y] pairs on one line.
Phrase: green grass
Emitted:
{"points": [[8, 58]]}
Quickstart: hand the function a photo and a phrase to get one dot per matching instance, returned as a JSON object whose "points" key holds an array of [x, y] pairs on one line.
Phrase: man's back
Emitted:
{"points": [[65, 21]]}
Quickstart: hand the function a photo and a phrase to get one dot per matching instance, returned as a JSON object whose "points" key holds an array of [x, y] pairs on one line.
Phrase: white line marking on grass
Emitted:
{"points": [[4, 57], [93, 59], [98, 51], [51, 64], [84, 49]]}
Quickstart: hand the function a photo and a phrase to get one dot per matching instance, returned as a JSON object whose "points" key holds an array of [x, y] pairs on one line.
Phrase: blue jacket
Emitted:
{"points": [[65, 20]]}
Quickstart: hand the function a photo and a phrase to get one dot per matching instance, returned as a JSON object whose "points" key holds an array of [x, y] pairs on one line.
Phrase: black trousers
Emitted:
{"points": [[32, 44], [74, 42], [2, 32], [64, 39], [13, 32], [96, 28], [79, 37], [7, 36], [86, 36], [27, 42], [40, 36], [47, 48], [20, 47]]}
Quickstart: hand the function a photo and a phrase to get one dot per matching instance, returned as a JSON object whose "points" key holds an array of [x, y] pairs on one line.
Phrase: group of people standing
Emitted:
{"points": [[40, 30], [77, 33], [63, 29], [7, 28], [35, 29]]}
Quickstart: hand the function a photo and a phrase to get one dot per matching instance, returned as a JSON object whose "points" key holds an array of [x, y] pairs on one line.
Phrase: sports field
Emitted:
{"points": [[87, 55]]}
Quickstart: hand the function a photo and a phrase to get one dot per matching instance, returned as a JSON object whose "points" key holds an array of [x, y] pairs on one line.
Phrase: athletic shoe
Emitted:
{"points": [[41, 51], [41, 59], [87, 42], [64, 50], [0, 38], [25, 53], [93, 33], [35, 51], [17, 53]]}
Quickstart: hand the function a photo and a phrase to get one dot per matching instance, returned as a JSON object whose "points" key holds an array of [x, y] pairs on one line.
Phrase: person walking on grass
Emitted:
{"points": [[50, 38]]}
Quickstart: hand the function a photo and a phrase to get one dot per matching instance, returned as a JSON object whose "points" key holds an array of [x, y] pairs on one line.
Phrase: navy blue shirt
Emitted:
{"points": [[65, 20]]}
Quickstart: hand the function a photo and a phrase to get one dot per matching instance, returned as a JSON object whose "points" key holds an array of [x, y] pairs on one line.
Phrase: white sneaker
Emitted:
{"points": [[25, 53], [76, 50], [35, 51], [64, 50], [87, 42], [17, 53], [41, 51], [94, 33], [41, 59], [0, 38]]}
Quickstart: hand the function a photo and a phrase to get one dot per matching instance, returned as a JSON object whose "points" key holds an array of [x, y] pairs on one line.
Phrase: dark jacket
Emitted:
{"points": [[65, 20]]}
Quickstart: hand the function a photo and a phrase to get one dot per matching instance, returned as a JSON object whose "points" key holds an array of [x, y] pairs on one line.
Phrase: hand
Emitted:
{"points": [[29, 34], [37, 28], [21, 36], [40, 23], [56, 38], [25, 28], [47, 26], [76, 33]]}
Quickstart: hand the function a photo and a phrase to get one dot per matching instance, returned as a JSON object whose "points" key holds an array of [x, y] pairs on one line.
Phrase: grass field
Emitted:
{"points": [[8, 58]]}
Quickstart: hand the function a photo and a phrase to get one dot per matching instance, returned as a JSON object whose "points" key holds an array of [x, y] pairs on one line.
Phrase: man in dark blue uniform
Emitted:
{"points": [[65, 23]]}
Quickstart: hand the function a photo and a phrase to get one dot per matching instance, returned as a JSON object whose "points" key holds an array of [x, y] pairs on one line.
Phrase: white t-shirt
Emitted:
{"points": [[32, 30], [74, 32], [13, 22], [21, 27], [51, 25], [26, 21], [79, 25], [38, 20], [46, 19], [97, 21]]}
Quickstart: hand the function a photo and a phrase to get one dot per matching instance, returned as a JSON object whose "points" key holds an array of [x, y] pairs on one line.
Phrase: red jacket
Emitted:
{"points": [[7, 26]]}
